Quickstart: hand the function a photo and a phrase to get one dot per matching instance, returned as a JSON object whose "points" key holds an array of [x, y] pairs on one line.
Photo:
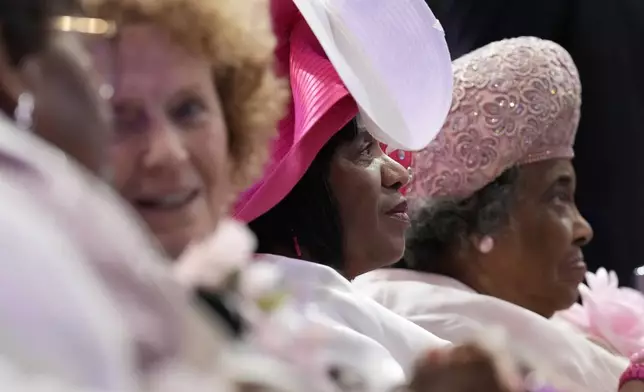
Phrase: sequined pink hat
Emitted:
{"points": [[515, 102], [386, 61]]}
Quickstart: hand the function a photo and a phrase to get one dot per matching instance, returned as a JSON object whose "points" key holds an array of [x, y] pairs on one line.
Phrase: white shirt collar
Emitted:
{"points": [[399, 274], [308, 271]]}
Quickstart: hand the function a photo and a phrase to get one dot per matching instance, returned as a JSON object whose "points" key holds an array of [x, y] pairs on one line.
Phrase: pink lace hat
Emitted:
{"points": [[515, 102], [384, 60]]}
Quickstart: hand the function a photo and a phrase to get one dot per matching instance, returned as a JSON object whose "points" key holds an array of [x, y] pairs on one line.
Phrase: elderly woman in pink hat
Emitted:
{"points": [[496, 238]]}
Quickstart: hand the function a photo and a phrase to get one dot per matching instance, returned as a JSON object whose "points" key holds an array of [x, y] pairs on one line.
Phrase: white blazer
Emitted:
{"points": [[359, 332], [457, 313]]}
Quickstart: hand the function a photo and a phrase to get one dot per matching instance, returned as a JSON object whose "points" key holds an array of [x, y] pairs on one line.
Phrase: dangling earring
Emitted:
{"points": [[24, 111], [296, 244], [486, 245]]}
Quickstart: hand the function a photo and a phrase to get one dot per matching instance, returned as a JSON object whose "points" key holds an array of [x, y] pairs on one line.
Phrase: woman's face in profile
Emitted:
{"points": [[537, 260], [366, 183]]}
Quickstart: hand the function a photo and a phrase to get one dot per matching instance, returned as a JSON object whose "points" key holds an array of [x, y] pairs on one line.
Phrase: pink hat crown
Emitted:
{"points": [[515, 101]]}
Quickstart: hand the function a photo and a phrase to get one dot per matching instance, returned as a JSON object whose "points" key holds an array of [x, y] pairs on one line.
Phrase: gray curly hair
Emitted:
{"points": [[441, 225]]}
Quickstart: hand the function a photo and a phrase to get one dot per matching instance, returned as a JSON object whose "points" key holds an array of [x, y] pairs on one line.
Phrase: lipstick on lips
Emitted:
{"points": [[574, 269], [400, 212]]}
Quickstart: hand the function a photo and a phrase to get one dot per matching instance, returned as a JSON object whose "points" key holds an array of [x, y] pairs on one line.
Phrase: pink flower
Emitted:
{"points": [[609, 314]]}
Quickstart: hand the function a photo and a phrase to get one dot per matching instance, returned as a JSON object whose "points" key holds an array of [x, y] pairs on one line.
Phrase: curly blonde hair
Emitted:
{"points": [[236, 37]]}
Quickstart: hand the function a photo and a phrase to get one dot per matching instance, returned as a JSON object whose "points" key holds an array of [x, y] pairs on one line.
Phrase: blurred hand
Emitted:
{"points": [[464, 368]]}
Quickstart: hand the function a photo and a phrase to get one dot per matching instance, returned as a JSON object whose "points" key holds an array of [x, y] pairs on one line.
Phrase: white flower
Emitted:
{"points": [[212, 261]]}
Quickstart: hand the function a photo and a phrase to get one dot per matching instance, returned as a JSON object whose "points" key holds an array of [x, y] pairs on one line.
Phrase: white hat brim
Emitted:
{"points": [[393, 58]]}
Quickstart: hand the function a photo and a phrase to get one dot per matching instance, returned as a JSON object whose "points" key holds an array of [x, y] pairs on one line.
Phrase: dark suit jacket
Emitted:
{"points": [[606, 40]]}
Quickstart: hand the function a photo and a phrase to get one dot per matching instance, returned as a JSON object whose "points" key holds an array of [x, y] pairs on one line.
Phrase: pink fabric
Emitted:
{"points": [[369, 42], [635, 372], [321, 106], [611, 315], [455, 312], [515, 101]]}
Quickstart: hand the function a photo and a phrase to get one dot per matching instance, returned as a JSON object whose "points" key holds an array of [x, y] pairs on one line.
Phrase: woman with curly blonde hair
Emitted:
{"points": [[196, 102], [89, 303]]}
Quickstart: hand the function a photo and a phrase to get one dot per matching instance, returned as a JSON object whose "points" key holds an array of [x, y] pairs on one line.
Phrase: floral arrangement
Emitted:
{"points": [[609, 315]]}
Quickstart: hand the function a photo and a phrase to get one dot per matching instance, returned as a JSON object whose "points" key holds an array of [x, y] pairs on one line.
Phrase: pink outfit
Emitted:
{"points": [[344, 58], [453, 311], [515, 102]]}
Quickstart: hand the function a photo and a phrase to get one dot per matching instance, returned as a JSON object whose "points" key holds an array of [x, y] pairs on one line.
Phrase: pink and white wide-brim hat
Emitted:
{"points": [[386, 61]]}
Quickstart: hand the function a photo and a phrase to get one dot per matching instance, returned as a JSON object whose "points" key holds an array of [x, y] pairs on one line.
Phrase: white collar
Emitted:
{"points": [[402, 275], [308, 271]]}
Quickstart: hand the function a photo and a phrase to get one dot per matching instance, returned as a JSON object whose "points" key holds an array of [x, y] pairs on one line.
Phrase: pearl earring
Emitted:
{"points": [[24, 111], [486, 245]]}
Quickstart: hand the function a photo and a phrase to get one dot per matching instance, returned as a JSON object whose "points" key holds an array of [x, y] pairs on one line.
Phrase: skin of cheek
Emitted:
{"points": [[370, 242]]}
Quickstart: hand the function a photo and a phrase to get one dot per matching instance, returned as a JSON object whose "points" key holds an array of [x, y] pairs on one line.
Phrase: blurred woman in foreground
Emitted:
{"points": [[195, 106], [89, 304]]}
